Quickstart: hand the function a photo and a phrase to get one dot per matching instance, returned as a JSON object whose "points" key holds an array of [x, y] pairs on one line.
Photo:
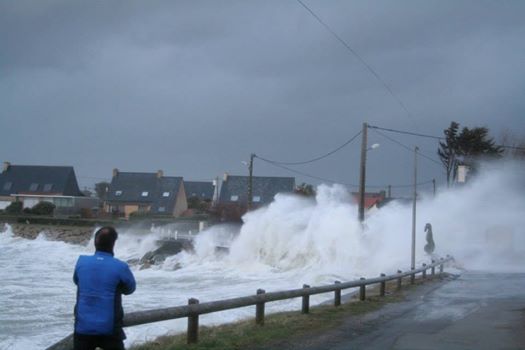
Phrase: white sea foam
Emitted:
{"points": [[292, 241]]}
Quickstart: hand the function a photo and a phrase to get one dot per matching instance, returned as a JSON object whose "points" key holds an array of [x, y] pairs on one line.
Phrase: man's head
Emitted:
{"points": [[105, 239]]}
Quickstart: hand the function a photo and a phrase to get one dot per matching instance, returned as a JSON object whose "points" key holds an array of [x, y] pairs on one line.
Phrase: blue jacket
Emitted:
{"points": [[101, 280]]}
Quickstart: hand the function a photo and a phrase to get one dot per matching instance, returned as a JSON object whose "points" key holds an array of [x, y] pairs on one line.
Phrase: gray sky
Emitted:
{"points": [[194, 87]]}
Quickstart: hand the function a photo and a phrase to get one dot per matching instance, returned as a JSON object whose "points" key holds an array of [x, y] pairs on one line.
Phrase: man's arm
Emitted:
{"points": [[127, 282], [75, 276]]}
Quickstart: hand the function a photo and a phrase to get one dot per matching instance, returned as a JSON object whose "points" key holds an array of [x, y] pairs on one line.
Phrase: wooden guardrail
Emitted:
{"points": [[195, 308]]}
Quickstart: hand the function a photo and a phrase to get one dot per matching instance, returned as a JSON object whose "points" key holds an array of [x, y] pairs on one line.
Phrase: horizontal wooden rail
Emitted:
{"points": [[195, 308]]}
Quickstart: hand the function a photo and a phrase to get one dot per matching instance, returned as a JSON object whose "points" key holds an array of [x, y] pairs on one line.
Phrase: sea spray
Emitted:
{"points": [[292, 241]]}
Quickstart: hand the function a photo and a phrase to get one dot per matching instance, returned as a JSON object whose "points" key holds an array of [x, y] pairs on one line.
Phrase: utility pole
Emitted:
{"points": [[362, 174], [250, 183], [389, 191], [216, 190], [413, 260], [434, 185]]}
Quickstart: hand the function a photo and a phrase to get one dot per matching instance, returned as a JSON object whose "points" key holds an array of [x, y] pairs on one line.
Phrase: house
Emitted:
{"points": [[31, 184], [203, 190], [371, 198], [151, 193], [234, 193]]}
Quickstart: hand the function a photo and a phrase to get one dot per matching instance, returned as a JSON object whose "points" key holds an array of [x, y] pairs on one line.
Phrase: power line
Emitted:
{"points": [[314, 159], [408, 148], [303, 173], [338, 182], [406, 132], [512, 147], [354, 52]]}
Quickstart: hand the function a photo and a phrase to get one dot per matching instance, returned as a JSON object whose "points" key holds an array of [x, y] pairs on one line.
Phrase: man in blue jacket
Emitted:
{"points": [[101, 280]]}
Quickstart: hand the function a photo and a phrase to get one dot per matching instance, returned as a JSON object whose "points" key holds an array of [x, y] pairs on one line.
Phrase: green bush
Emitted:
{"points": [[43, 208], [14, 208]]}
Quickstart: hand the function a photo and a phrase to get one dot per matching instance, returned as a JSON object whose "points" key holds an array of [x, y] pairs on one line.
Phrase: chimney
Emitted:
{"points": [[225, 177], [6, 166], [115, 172], [160, 174]]}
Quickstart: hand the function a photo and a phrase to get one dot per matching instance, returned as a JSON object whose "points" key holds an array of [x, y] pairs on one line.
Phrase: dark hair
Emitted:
{"points": [[105, 239]]}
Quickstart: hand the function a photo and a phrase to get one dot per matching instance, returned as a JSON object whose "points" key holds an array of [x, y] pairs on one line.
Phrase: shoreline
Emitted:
{"points": [[68, 234]]}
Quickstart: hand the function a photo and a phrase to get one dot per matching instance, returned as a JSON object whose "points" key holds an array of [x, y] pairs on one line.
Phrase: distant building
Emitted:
{"points": [[233, 197], [371, 198], [203, 190], [151, 193], [31, 184]]}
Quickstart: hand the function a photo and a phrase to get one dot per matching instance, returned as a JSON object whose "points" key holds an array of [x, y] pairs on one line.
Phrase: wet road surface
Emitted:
{"points": [[473, 311]]}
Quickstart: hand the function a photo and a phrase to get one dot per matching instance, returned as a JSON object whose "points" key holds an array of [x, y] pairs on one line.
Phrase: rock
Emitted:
{"points": [[167, 248]]}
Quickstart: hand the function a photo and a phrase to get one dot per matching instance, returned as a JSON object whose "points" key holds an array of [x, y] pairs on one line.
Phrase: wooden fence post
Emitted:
{"points": [[399, 280], [433, 270], [441, 266], [193, 324], [306, 301], [382, 287], [337, 295], [362, 290], [259, 310], [424, 271], [412, 277]]}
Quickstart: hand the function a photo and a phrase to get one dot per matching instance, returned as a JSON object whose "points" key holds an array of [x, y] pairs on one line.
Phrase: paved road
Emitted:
{"points": [[473, 311]]}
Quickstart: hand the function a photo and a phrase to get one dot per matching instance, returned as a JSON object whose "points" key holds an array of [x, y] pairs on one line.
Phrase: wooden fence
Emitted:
{"points": [[195, 308]]}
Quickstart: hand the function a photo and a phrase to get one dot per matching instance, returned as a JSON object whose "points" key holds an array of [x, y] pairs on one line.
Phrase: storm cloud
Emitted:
{"points": [[194, 87]]}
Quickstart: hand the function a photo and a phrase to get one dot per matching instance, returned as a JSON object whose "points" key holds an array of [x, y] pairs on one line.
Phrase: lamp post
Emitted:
{"points": [[413, 255]]}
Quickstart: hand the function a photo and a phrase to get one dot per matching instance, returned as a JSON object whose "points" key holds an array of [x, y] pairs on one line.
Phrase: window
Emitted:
{"points": [[48, 187], [256, 198], [234, 198], [33, 187], [165, 194], [118, 193], [7, 186], [162, 209], [145, 194]]}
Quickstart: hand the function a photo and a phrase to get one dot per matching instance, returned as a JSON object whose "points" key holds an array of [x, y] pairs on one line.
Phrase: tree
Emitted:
{"points": [[465, 148], [101, 189], [198, 204], [14, 208], [447, 150], [305, 189], [43, 208]]}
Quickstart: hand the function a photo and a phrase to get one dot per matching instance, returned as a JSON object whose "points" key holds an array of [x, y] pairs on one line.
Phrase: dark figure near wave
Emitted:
{"points": [[430, 246]]}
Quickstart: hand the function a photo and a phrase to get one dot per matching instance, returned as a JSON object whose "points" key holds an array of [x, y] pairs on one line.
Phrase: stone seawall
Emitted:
{"points": [[69, 234]]}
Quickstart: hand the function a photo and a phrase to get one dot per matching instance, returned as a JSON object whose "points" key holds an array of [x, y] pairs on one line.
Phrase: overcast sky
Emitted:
{"points": [[194, 87]]}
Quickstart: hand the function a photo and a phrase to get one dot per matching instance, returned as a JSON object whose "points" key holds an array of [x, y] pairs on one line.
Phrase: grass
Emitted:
{"points": [[280, 326]]}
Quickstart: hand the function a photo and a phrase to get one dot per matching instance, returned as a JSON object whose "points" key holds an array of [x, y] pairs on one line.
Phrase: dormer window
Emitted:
{"points": [[48, 187], [145, 194], [7, 186], [256, 198], [166, 194], [234, 198], [118, 193], [33, 187]]}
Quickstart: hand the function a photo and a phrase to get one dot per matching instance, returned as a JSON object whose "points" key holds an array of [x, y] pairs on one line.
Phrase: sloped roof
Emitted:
{"points": [[39, 179], [264, 187], [159, 192], [371, 198], [200, 189]]}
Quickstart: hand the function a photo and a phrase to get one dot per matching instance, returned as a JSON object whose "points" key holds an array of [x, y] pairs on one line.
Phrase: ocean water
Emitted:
{"points": [[291, 242]]}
